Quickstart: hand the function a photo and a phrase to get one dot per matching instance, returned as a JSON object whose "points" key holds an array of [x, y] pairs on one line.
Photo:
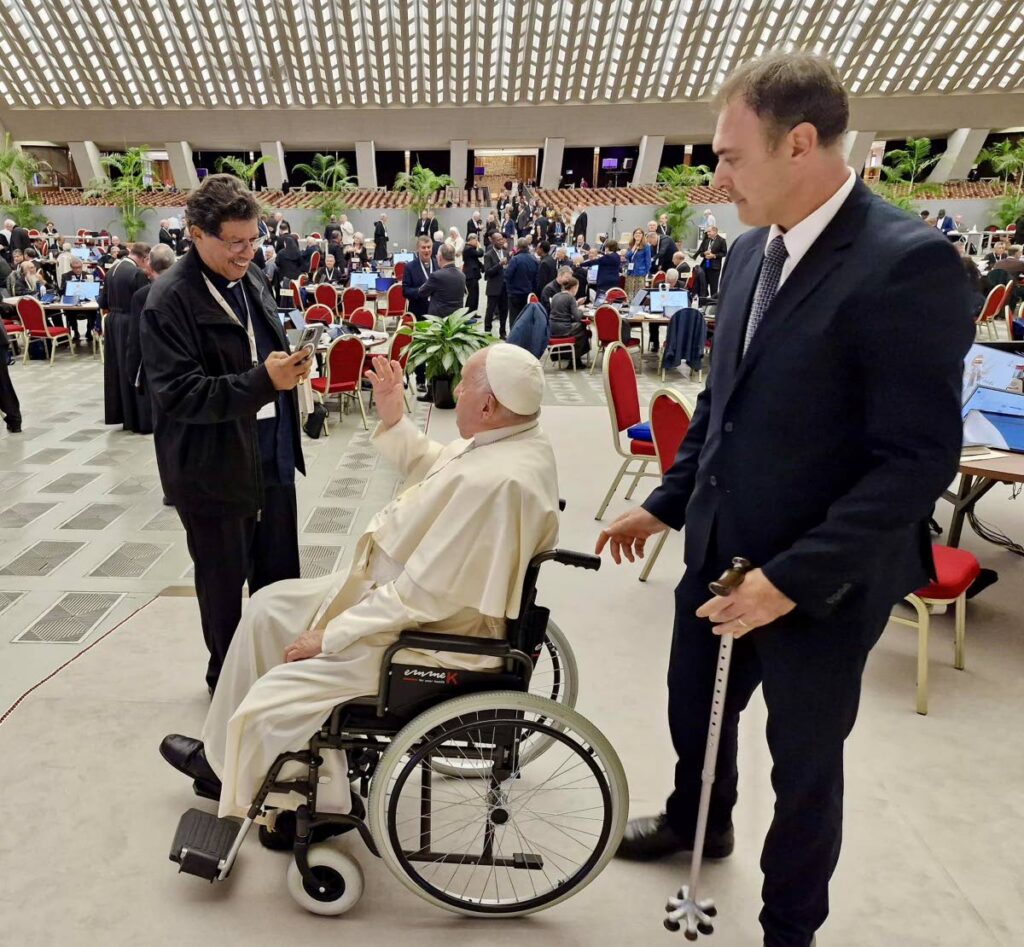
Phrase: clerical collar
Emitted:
{"points": [[221, 282], [501, 433]]}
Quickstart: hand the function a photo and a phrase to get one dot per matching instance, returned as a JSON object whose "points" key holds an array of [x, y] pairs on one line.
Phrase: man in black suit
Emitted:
{"points": [[547, 268], [20, 240], [380, 238], [332, 228], [166, 237], [579, 225], [662, 228], [495, 260], [445, 287], [712, 251], [472, 260], [312, 246], [475, 225], [73, 316], [427, 225], [120, 397], [851, 485], [417, 272]]}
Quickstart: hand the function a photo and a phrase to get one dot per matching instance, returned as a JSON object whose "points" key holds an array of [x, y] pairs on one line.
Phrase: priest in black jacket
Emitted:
{"points": [[472, 269]]}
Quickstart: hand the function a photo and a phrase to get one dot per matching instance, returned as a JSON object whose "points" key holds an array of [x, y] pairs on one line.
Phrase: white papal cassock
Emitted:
{"points": [[448, 555]]}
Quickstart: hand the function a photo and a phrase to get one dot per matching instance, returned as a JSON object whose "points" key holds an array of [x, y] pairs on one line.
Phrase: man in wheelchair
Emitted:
{"points": [[448, 555]]}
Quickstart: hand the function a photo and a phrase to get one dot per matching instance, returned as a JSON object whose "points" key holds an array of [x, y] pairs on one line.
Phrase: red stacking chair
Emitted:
{"points": [[398, 351], [316, 236], [327, 295], [624, 410], [15, 330], [319, 313], [396, 305], [532, 298], [670, 420], [400, 270], [657, 278], [294, 286], [314, 262], [609, 330], [351, 300], [363, 318], [616, 295], [33, 319], [343, 375], [993, 304], [955, 572]]}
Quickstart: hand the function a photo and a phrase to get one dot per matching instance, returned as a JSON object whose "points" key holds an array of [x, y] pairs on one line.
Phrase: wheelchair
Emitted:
{"points": [[486, 793]]}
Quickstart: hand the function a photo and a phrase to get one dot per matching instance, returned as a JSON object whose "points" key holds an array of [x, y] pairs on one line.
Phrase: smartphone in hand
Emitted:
{"points": [[310, 339]]}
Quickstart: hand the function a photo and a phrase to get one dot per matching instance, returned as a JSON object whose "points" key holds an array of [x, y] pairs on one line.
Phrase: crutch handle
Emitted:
{"points": [[732, 578]]}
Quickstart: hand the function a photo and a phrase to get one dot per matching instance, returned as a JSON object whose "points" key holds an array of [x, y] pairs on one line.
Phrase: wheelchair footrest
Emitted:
{"points": [[202, 843]]}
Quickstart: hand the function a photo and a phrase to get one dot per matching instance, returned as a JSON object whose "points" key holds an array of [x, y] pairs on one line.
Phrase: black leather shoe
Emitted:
{"points": [[13, 428], [187, 756], [282, 837], [651, 837]]}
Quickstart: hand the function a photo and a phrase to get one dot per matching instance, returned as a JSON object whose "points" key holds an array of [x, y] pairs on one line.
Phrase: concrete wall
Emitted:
{"points": [[401, 223]]}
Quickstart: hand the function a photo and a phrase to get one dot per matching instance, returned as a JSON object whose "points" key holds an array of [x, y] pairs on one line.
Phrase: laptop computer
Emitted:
{"points": [[994, 417], [669, 300], [83, 289], [363, 281], [403, 257]]}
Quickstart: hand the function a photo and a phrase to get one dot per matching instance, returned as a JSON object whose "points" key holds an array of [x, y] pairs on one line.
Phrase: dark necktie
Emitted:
{"points": [[767, 286]]}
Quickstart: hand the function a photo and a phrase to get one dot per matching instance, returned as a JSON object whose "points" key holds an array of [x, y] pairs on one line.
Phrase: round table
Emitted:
{"points": [[977, 477]]}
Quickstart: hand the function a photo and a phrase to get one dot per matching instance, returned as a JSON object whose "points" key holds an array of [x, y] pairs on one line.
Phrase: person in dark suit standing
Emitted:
{"points": [[20, 240], [417, 272], [475, 225], [380, 238], [166, 237], [120, 397], [579, 225], [495, 260], [472, 268], [445, 287], [852, 485], [10, 408], [427, 225], [712, 251], [520, 277], [547, 268]]}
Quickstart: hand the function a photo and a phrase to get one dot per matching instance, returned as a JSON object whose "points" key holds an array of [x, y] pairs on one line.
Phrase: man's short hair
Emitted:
{"points": [[161, 258], [424, 239], [786, 88], [671, 275], [140, 250], [523, 243], [447, 252], [564, 271], [611, 246], [1015, 249], [571, 284], [220, 197]]}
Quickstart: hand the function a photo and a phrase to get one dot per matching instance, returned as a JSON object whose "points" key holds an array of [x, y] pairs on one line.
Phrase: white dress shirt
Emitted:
{"points": [[800, 238]]}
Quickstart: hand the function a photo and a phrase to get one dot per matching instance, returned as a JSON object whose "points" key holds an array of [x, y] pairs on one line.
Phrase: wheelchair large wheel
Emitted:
{"points": [[519, 841], [555, 677]]}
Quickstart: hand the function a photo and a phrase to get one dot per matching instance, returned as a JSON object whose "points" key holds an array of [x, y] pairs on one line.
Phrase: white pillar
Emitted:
{"points": [[86, 157], [274, 169], [962, 149], [649, 160], [459, 162], [366, 164], [856, 148], [551, 171], [183, 168]]}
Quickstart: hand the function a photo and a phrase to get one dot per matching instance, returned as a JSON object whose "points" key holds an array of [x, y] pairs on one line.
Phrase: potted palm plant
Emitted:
{"points": [[124, 191], [330, 175], [442, 347], [677, 182], [422, 185]]}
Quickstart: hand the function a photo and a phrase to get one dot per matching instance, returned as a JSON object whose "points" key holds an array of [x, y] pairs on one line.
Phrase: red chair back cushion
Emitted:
{"points": [[314, 261], [625, 402], [609, 327], [669, 424], [363, 318], [351, 300], [320, 313], [400, 270], [400, 348], [32, 315], [616, 295], [345, 364], [396, 299], [327, 296]]}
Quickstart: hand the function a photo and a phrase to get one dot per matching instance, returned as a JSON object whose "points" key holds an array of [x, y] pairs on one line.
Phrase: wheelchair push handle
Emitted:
{"points": [[581, 560]]}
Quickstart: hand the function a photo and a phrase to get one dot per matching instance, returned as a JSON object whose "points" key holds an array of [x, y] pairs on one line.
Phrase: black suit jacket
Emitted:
{"points": [[122, 282], [717, 246], [666, 250], [165, 237], [416, 274], [446, 290], [580, 227], [819, 456], [494, 271], [471, 262], [547, 270], [380, 241], [427, 228], [20, 240]]}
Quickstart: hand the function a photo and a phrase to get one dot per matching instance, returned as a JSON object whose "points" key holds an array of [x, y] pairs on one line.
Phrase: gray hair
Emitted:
{"points": [[447, 252], [564, 271], [671, 275], [161, 258], [523, 243]]}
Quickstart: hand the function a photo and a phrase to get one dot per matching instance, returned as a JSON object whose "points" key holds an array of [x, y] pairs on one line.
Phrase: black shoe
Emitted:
{"points": [[187, 756], [13, 428], [426, 398], [651, 837], [282, 837]]}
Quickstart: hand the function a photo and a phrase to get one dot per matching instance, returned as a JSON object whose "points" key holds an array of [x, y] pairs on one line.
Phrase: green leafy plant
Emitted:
{"points": [[678, 181], [1006, 158], [241, 169], [443, 346], [908, 164], [422, 184], [124, 190], [331, 176], [17, 168], [1009, 210]]}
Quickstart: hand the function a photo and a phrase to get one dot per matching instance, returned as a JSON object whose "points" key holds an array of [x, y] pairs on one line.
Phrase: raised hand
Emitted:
{"points": [[386, 378]]}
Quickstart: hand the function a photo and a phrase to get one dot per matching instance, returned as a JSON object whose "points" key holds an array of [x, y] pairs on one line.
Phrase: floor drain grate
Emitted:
{"points": [[69, 483], [346, 488], [41, 559], [318, 561], [72, 619], [95, 516], [110, 458], [165, 520], [7, 599], [47, 456], [21, 514], [130, 560], [330, 519], [133, 486]]}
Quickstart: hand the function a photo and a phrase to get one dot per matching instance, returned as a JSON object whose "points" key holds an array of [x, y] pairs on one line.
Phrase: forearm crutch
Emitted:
{"points": [[685, 907]]}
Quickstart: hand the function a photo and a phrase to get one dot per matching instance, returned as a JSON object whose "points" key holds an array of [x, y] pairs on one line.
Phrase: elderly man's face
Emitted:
{"points": [[423, 248], [476, 409], [329, 261], [76, 267]]}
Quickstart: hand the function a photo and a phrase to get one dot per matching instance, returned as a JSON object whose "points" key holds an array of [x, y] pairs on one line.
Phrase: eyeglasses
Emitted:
{"points": [[237, 246]]}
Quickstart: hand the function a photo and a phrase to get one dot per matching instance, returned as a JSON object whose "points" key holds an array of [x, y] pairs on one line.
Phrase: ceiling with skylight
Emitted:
{"points": [[251, 54]]}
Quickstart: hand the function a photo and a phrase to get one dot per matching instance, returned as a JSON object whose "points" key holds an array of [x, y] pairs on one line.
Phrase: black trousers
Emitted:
{"points": [[497, 306], [713, 277], [9, 405], [473, 296], [810, 672], [229, 551], [516, 304]]}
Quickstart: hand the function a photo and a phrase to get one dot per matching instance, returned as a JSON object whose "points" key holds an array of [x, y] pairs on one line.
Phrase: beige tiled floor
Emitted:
{"points": [[935, 808]]}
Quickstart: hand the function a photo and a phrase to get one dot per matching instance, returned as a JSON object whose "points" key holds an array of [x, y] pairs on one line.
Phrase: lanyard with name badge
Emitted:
{"points": [[268, 410]]}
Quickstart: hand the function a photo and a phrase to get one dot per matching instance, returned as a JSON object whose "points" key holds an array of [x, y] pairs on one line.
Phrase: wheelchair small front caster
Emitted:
{"points": [[339, 882]]}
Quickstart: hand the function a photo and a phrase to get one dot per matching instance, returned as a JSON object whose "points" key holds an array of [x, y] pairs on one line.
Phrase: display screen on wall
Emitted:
{"points": [[609, 164], [479, 170]]}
